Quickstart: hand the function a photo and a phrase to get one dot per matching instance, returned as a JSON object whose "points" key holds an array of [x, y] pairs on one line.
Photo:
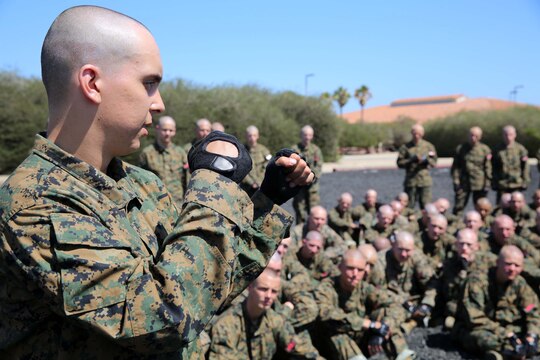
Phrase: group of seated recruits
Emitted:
{"points": [[355, 281]]}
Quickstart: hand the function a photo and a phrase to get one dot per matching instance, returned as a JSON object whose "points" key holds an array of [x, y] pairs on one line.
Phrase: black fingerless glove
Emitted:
{"points": [[235, 168], [275, 185], [422, 311], [532, 346], [383, 330]]}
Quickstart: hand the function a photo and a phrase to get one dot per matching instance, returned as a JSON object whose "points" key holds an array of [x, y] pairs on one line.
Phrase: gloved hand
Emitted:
{"points": [[235, 168], [519, 347], [532, 344], [383, 330], [422, 311], [275, 185]]}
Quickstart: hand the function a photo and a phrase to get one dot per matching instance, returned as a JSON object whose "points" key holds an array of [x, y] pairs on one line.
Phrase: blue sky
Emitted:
{"points": [[399, 49]]}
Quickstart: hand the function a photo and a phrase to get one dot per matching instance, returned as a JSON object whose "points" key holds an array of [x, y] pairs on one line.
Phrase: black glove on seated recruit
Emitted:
{"points": [[235, 168], [275, 185]]}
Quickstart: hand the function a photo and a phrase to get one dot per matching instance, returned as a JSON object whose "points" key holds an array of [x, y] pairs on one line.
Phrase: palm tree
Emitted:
{"points": [[341, 96], [363, 95]]}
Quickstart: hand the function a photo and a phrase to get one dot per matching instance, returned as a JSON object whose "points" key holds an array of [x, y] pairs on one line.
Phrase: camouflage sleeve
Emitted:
{"points": [[336, 222], [335, 246], [95, 276], [525, 167], [432, 160], [474, 305], [331, 314], [226, 339], [296, 347], [426, 277], [530, 252], [299, 291], [529, 307], [404, 157]]}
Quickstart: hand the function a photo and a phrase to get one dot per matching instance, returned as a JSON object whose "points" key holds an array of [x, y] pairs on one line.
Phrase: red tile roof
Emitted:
{"points": [[428, 108]]}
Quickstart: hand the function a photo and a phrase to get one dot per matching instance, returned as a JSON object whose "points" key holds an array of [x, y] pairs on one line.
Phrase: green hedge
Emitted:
{"points": [[446, 134], [279, 116]]}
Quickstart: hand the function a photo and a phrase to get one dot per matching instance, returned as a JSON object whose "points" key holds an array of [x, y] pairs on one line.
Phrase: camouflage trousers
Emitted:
{"points": [[461, 197], [420, 194], [307, 198], [480, 341]]}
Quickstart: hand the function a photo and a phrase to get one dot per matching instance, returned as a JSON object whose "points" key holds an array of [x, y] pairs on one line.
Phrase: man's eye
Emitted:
{"points": [[150, 84]]}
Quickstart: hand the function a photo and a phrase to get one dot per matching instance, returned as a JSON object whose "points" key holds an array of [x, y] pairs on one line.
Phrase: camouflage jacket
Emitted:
{"points": [[318, 267], [236, 337], [455, 273], [500, 309], [334, 245], [438, 251], [414, 279], [471, 168], [532, 235], [340, 221], [313, 155], [529, 251], [510, 167], [523, 219], [373, 232], [343, 312], [417, 172], [100, 266], [170, 165], [260, 156]]}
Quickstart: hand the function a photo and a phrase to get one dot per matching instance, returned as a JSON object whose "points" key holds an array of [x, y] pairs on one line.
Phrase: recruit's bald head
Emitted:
{"points": [[85, 35]]}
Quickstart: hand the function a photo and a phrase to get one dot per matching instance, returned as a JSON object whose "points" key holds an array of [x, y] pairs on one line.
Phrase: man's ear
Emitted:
{"points": [[89, 82]]}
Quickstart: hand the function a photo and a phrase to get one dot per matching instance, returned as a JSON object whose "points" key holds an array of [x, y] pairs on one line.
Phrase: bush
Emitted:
{"points": [[24, 113], [279, 116], [447, 133]]}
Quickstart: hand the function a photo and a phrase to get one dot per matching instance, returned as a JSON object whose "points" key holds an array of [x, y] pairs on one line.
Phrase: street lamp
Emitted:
{"points": [[513, 93], [306, 82]]}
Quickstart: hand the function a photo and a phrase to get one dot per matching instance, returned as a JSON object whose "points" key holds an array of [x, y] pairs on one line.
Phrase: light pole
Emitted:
{"points": [[306, 82], [513, 93]]}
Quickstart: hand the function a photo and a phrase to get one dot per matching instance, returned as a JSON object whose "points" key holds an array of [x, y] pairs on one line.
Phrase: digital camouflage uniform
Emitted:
{"points": [[342, 315], [260, 156], [413, 282], [308, 196], [529, 251], [418, 181], [340, 222], [334, 245], [97, 266], [489, 311], [236, 337], [471, 173], [170, 165], [510, 169], [454, 274], [319, 267], [375, 231], [523, 219], [436, 252], [532, 235]]}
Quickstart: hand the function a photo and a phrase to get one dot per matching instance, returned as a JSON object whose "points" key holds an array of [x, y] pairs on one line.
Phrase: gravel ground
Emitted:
{"points": [[430, 343]]}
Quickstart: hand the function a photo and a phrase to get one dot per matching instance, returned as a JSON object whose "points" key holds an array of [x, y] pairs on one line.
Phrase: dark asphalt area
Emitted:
{"points": [[430, 343]]}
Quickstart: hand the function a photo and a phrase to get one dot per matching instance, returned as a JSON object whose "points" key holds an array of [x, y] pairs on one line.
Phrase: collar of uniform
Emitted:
{"points": [[159, 148], [117, 186]]}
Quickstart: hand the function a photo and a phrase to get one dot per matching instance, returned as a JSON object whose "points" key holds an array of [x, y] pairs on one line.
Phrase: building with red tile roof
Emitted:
{"points": [[428, 108]]}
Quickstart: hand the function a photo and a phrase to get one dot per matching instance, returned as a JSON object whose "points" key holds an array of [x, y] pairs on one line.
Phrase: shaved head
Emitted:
{"points": [[85, 35]]}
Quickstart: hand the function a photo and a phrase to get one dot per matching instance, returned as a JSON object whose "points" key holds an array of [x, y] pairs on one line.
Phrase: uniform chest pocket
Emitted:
{"points": [[94, 264]]}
